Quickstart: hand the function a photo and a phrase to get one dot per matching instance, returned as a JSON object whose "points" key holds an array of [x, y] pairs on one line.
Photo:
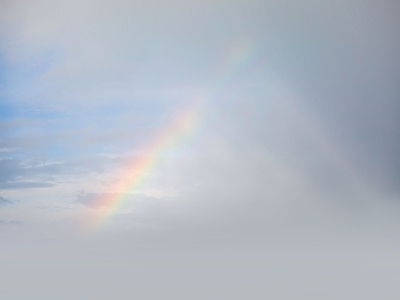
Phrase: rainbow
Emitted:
{"points": [[138, 169], [240, 57]]}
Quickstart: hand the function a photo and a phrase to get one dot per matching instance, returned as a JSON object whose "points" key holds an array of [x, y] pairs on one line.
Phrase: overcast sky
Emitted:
{"points": [[225, 144]]}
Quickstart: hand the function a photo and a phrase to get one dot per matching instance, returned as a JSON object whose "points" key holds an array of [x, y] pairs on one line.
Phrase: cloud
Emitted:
{"points": [[4, 201], [100, 63], [291, 169], [310, 120], [13, 170], [129, 203], [39, 173], [3, 223], [94, 200], [25, 185]]}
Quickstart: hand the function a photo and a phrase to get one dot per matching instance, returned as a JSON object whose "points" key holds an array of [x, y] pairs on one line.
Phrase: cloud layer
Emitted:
{"points": [[293, 147]]}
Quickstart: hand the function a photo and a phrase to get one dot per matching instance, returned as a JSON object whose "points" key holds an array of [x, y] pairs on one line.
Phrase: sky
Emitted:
{"points": [[223, 149]]}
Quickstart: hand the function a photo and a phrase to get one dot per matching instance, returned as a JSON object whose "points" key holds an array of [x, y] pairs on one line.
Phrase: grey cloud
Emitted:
{"points": [[342, 67], [4, 201], [14, 174], [93, 200], [346, 78], [2, 222], [291, 181], [139, 204], [37, 173], [341, 70], [25, 185]]}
